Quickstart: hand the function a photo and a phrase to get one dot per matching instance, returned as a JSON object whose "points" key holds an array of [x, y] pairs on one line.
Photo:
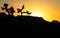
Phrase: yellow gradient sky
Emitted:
{"points": [[48, 9]]}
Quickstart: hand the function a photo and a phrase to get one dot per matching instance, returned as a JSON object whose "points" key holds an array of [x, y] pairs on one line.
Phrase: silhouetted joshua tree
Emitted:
{"points": [[8, 10], [5, 7], [20, 10], [11, 10]]}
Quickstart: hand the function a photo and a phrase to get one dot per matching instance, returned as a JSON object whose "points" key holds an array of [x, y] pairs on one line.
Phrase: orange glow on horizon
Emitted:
{"points": [[48, 9]]}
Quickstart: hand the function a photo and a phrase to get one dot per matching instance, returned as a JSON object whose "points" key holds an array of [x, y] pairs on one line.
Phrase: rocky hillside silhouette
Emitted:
{"points": [[55, 21], [28, 25]]}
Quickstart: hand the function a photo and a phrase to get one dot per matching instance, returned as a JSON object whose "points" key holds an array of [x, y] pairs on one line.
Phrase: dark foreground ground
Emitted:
{"points": [[29, 26]]}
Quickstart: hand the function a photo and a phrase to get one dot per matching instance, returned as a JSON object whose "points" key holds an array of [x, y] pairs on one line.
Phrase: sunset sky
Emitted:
{"points": [[48, 9]]}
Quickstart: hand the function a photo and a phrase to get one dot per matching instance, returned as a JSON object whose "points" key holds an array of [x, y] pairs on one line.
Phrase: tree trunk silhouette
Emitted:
{"points": [[21, 14]]}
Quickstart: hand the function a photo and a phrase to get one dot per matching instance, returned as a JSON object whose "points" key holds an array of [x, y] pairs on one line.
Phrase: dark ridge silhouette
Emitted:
{"points": [[2, 14], [56, 22], [28, 25]]}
